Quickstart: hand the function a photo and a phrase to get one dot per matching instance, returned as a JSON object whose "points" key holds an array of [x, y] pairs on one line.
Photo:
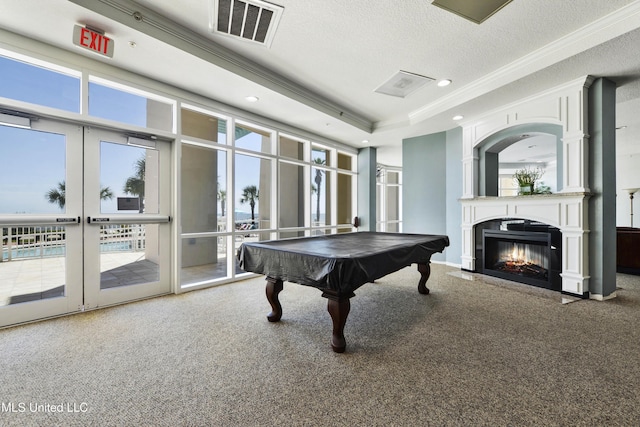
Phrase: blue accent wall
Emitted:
{"points": [[454, 193], [367, 188], [424, 185]]}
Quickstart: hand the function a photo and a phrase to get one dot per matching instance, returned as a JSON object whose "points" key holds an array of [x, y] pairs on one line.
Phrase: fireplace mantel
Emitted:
{"points": [[567, 106], [566, 211]]}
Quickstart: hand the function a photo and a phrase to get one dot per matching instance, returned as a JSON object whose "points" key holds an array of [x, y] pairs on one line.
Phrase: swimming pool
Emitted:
{"points": [[42, 251]]}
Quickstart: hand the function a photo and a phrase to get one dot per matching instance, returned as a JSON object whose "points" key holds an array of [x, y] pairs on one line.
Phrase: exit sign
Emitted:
{"points": [[93, 40]]}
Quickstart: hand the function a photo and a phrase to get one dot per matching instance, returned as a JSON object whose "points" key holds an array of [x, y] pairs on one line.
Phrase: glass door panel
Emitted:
{"points": [[40, 210], [33, 264], [84, 219], [126, 258], [127, 249]]}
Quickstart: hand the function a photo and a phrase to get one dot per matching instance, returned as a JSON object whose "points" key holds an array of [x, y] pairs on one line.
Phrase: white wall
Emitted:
{"points": [[627, 161]]}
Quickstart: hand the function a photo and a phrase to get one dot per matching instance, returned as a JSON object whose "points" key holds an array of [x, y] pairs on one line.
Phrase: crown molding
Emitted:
{"points": [[151, 23], [600, 31]]}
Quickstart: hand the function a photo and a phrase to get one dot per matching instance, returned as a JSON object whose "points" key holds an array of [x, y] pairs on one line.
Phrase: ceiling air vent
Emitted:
{"points": [[403, 83], [253, 20]]}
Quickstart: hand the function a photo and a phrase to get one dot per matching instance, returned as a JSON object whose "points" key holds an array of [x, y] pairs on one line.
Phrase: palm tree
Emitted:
{"points": [[106, 193], [222, 196], [58, 195], [249, 195], [135, 184], [318, 181]]}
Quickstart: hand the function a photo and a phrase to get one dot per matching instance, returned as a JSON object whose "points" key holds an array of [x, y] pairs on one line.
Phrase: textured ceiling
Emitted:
{"points": [[342, 51]]}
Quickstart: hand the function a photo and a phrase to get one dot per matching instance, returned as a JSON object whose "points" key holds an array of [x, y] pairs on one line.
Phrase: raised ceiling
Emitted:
{"points": [[327, 57]]}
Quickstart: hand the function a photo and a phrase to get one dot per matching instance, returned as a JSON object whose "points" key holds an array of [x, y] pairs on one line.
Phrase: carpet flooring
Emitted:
{"points": [[476, 351]]}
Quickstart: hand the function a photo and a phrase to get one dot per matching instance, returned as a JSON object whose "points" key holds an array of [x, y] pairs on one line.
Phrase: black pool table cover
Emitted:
{"points": [[339, 263]]}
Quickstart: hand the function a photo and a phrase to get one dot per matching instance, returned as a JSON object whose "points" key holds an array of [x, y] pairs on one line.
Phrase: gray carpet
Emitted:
{"points": [[480, 352]]}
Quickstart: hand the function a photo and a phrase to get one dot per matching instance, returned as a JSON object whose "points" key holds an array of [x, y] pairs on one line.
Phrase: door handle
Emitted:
{"points": [[94, 219], [131, 219], [13, 220]]}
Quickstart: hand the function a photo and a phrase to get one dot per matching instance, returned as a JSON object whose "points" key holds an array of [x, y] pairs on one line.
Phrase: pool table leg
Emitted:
{"points": [[338, 308], [274, 286], [425, 272]]}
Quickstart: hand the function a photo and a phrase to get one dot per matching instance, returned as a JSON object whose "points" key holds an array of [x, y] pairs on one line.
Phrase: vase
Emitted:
{"points": [[526, 189]]}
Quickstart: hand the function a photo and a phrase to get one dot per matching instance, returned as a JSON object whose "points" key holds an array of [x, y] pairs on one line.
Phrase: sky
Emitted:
{"points": [[33, 162]]}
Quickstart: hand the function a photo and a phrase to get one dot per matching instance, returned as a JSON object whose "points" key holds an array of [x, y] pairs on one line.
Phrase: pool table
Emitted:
{"points": [[337, 264]]}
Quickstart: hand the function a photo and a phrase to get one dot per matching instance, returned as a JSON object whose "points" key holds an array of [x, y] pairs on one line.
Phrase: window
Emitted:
{"points": [[291, 148], [238, 181], [203, 215], [204, 189], [112, 101], [203, 126], [345, 198], [507, 186], [389, 199], [132, 179], [291, 196], [204, 259], [46, 85], [345, 161], [252, 138], [320, 155], [253, 196], [41, 192], [320, 193]]}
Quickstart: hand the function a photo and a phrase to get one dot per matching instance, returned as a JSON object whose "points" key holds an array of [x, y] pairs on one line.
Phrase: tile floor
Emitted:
{"points": [[37, 278]]}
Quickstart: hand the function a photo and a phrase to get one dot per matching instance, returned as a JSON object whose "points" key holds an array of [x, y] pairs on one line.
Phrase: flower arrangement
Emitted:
{"points": [[526, 178]]}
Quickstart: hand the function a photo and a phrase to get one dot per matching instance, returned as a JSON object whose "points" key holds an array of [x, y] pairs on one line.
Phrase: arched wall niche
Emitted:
{"points": [[560, 111], [488, 152]]}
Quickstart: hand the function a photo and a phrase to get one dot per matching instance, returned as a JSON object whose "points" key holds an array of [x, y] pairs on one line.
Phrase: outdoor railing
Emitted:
{"points": [[25, 242]]}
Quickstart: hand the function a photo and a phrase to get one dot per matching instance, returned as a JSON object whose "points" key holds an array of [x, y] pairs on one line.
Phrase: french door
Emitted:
{"points": [[84, 217]]}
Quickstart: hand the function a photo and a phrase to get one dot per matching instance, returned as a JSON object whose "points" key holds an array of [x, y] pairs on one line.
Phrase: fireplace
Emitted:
{"points": [[519, 256], [521, 251]]}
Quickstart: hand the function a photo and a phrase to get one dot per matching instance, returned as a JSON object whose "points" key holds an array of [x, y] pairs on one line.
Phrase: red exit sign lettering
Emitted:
{"points": [[93, 41]]}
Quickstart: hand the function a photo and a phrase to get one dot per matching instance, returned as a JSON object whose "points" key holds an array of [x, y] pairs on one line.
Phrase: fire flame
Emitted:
{"points": [[517, 255]]}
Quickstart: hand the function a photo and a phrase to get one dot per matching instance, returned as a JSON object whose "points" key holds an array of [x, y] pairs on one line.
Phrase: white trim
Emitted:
{"points": [[36, 51], [615, 24], [40, 63]]}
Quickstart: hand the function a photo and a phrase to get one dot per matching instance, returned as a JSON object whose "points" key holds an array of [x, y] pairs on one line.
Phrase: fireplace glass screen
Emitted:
{"points": [[517, 256], [523, 259]]}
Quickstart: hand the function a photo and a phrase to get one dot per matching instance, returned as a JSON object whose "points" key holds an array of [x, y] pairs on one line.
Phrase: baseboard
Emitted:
{"points": [[448, 264], [599, 297]]}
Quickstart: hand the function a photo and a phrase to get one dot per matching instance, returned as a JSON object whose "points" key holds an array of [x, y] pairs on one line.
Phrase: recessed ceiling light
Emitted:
{"points": [[252, 98], [458, 117], [532, 146], [444, 82], [132, 44], [365, 141]]}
